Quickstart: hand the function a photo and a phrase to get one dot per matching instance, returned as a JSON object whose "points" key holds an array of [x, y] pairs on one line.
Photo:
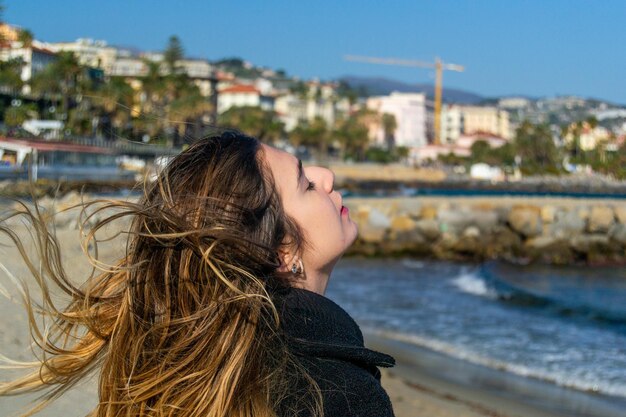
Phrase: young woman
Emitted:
{"points": [[218, 306]]}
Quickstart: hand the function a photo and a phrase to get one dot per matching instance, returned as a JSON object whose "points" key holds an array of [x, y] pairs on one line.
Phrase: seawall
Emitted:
{"points": [[522, 229]]}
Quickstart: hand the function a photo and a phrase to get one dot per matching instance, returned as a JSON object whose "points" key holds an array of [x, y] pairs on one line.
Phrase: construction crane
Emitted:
{"points": [[439, 67]]}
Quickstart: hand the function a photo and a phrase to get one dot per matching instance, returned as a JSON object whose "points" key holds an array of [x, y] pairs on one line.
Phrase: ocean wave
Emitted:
{"points": [[472, 283], [412, 264], [489, 281], [586, 383]]}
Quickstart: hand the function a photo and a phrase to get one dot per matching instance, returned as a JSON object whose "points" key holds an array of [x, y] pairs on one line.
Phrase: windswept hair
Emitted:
{"points": [[183, 324]]}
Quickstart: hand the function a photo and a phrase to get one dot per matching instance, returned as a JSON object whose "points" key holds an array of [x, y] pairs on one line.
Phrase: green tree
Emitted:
{"points": [[389, 128], [254, 121], [534, 144], [315, 134], [115, 100], [480, 151], [173, 53], [60, 81], [10, 76], [16, 115], [352, 134], [26, 37]]}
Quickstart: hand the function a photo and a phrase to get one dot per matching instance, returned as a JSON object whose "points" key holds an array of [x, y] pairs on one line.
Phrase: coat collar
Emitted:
{"points": [[315, 325]]}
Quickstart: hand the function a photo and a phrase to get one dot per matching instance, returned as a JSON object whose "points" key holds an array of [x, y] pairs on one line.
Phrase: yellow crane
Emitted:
{"points": [[439, 67]]}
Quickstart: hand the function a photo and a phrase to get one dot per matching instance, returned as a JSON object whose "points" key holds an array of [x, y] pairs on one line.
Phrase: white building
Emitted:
{"points": [[35, 58], [451, 124], [241, 95], [89, 52], [319, 101], [409, 109], [486, 119]]}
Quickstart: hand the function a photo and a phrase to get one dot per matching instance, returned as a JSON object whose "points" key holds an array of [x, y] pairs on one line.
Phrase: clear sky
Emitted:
{"points": [[534, 47]]}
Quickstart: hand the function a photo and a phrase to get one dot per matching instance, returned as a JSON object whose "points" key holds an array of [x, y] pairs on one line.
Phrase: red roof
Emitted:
{"points": [[241, 89]]}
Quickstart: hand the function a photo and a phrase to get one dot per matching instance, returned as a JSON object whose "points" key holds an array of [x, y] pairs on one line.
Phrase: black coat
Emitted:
{"points": [[329, 344]]}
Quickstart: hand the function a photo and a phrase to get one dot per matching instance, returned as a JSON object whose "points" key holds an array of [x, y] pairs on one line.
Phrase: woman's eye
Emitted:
{"points": [[311, 186]]}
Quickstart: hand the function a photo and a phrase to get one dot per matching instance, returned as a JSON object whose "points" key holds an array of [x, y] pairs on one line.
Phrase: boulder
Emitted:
{"points": [[617, 233], [428, 212], [402, 223], [567, 225], [587, 243], [428, 228], [372, 224], [407, 206], [620, 214], [471, 232], [547, 249], [378, 219], [601, 218], [526, 220], [548, 213], [454, 221], [503, 242]]}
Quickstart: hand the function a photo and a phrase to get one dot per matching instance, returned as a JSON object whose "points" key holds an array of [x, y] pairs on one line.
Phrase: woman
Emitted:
{"points": [[218, 306]]}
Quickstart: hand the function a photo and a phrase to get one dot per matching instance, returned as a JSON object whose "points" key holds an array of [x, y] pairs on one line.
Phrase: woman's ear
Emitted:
{"points": [[286, 258]]}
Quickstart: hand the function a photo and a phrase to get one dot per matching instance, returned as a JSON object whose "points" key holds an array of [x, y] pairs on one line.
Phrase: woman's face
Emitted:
{"points": [[308, 196]]}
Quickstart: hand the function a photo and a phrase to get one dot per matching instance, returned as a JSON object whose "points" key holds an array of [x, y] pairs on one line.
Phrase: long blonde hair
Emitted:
{"points": [[183, 324]]}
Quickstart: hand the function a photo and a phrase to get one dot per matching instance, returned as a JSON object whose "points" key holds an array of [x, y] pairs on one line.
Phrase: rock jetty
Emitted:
{"points": [[554, 231]]}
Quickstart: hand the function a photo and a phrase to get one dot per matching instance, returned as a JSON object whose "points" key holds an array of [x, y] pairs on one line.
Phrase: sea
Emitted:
{"points": [[563, 326]]}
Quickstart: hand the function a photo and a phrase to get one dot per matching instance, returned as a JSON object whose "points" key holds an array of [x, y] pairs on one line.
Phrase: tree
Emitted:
{"points": [[115, 99], [11, 76], [534, 144], [60, 81], [389, 128], [16, 115], [26, 37], [254, 121], [480, 151], [312, 134], [186, 112], [173, 53], [352, 134]]}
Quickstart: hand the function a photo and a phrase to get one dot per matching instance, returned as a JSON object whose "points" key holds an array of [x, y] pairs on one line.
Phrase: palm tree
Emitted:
{"points": [[60, 81], [26, 37], [255, 121], [187, 112], [389, 128], [10, 76], [116, 99], [313, 134]]}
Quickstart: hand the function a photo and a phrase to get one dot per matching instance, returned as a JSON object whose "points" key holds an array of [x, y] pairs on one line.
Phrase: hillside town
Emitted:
{"points": [[88, 92]]}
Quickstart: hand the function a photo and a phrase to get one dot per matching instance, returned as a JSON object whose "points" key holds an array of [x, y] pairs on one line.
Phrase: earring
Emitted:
{"points": [[294, 267]]}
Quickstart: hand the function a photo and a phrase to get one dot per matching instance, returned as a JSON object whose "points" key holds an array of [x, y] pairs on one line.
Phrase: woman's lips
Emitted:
{"points": [[344, 210]]}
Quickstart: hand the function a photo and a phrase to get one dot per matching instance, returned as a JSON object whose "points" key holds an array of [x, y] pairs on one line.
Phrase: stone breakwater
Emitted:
{"points": [[546, 230]]}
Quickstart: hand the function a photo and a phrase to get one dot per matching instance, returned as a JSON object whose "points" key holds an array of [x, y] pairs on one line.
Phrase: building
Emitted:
{"points": [[240, 95], [451, 124], [491, 120], [89, 52], [35, 58], [514, 103], [409, 109], [319, 100], [588, 137]]}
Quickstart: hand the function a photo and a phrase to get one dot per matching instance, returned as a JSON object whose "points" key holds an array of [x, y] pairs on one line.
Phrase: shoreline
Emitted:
{"points": [[479, 390]]}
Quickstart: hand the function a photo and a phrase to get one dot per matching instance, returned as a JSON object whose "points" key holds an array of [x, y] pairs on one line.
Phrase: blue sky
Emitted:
{"points": [[535, 47]]}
